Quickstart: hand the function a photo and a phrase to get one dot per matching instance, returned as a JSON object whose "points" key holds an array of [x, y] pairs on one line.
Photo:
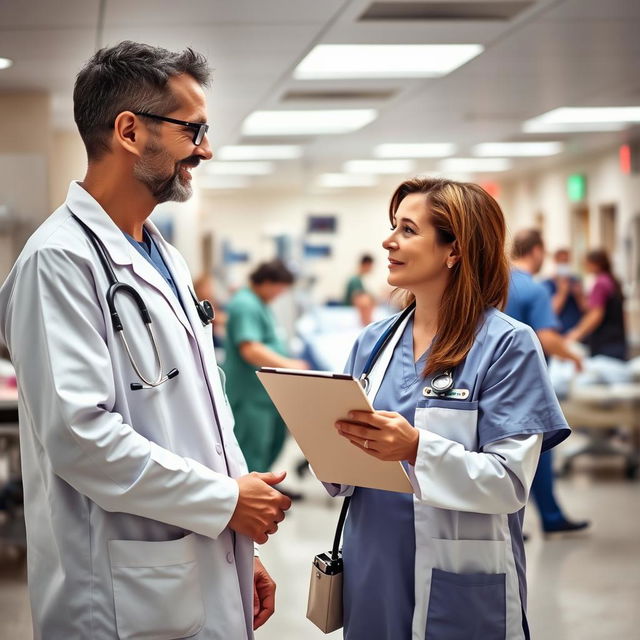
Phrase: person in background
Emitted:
{"points": [[602, 326], [365, 305], [565, 289], [355, 283], [530, 303], [252, 342], [204, 288]]}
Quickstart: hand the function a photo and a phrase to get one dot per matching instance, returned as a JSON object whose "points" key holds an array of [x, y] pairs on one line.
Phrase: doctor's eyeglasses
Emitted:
{"points": [[200, 128]]}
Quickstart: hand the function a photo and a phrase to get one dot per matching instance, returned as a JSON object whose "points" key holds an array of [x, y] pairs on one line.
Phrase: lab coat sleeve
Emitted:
{"points": [[57, 339], [496, 480]]}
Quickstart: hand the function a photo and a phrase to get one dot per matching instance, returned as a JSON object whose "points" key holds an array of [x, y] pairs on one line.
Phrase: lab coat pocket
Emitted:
{"points": [[455, 420], [469, 606], [468, 592], [156, 589]]}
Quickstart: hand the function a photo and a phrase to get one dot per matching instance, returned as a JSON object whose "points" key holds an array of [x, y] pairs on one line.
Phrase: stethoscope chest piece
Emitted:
{"points": [[442, 387], [442, 383]]}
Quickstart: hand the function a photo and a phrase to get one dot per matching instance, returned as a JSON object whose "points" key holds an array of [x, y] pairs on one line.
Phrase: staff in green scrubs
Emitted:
{"points": [[253, 342], [355, 285]]}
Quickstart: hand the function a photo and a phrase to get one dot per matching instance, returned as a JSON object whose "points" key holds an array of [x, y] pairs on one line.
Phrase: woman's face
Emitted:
{"points": [[591, 267], [415, 257]]}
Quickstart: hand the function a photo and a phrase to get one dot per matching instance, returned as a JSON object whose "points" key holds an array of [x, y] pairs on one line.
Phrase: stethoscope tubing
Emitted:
{"points": [[115, 287], [380, 345]]}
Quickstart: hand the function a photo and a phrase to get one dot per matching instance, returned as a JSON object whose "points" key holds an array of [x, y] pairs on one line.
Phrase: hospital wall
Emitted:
{"points": [[25, 158]]}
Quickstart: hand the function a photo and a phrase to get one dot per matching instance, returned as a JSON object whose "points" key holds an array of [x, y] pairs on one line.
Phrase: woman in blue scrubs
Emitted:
{"points": [[446, 563]]}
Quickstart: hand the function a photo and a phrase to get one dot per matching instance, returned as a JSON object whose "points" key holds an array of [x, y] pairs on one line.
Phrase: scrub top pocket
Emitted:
{"points": [[156, 588], [455, 420], [468, 606]]}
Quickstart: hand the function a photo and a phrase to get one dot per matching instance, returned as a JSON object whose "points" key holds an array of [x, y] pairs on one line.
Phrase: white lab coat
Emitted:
{"points": [[128, 494]]}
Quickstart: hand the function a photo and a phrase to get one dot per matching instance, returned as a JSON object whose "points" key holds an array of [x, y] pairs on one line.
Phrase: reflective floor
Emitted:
{"points": [[584, 587]]}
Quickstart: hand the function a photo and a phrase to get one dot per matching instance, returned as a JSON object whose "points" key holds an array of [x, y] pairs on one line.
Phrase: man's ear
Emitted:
{"points": [[128, 133]]}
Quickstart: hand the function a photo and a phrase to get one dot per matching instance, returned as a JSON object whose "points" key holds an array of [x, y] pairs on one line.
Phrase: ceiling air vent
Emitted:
{"points": [[337, 95], [445, 10]]}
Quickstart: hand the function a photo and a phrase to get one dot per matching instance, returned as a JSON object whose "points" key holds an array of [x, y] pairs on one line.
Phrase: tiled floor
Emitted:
{"points": [[585, 587]]}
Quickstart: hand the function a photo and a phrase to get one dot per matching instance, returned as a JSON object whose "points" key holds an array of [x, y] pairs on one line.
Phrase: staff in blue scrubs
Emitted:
{"points": [[530, 303], [446, 563]]}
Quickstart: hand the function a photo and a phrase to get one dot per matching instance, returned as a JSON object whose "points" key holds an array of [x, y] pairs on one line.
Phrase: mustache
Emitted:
{"points": [[191, 161]]}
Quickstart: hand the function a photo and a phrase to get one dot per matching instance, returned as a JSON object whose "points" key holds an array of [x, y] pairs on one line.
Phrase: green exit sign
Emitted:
{"points": [[577, 187]]}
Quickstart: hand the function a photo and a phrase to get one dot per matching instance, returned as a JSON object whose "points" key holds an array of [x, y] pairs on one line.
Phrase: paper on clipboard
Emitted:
{"points": [[310, 402]]}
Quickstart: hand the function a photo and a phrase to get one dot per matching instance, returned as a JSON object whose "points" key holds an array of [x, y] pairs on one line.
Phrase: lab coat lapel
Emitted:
{"points": [[120, 251], [182, 280], [145, 270]]}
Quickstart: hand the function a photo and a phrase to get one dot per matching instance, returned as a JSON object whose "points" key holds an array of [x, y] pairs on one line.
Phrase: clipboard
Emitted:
{"points": [[310, 402]]}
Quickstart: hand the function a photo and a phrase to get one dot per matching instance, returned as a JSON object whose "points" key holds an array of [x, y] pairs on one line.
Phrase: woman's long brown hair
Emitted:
{"points": [[463, 213]]}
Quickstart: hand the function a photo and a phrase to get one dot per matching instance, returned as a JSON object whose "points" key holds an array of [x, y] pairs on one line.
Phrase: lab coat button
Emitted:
{"points": [[230, 557], [219, 449]]}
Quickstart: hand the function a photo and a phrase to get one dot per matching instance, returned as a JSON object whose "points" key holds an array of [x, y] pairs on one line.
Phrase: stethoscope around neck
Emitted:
{"points": [[441, 383], [204, 309]]}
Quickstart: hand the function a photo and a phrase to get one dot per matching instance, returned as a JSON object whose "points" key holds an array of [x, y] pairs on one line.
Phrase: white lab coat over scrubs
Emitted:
{"points": [[128, 494], [475, 462]]}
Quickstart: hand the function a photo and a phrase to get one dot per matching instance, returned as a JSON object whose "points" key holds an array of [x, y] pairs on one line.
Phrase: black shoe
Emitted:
{"points": [[294, 496], [302, 468], [566, 526]]}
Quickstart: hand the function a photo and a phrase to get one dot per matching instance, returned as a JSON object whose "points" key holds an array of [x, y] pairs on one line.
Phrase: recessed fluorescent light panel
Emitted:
{"points": [[259, 152], [5, 63], [378, 166], [316, 122], [341, 180], [474, 165], [570, 119], [339, 61], [516, 149], [415, 150], [222, 168]]}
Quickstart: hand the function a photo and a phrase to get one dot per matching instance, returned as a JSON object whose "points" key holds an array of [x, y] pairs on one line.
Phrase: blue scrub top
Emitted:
{"points": [[571, 313], [149, 251], [530, 302], [506, 374], [379, 532]]}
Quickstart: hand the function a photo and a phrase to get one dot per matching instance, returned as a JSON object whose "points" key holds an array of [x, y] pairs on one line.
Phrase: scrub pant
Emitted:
{"points": [[260, 432], [542, 491]]}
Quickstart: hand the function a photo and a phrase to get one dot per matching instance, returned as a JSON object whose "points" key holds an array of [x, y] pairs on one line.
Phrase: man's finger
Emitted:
{"points": [[267, 593], [272, 478]]}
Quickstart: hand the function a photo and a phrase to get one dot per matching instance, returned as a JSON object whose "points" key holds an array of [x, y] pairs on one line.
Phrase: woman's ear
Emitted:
{"points": [[454, 256]]}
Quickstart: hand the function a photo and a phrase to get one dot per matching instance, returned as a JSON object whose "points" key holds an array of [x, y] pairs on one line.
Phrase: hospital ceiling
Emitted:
{"points": [[538, 55]]}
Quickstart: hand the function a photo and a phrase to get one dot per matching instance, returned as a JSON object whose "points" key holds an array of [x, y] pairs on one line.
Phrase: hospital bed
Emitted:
{"points": [[605, 397], [598, 409]]}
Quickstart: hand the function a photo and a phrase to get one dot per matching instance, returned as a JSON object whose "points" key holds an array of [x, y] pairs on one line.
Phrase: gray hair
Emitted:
{"points": [[128, 77]]}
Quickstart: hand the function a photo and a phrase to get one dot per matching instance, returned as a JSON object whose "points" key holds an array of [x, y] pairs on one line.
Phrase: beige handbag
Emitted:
{"points": [[324, 608]]}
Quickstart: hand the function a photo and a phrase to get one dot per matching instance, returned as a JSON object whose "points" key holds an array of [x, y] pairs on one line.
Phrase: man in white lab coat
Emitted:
{"points": [[141, 517]]}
